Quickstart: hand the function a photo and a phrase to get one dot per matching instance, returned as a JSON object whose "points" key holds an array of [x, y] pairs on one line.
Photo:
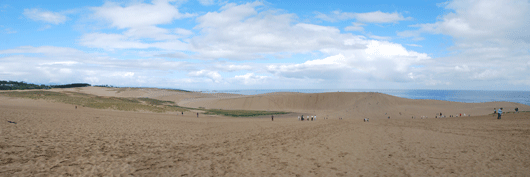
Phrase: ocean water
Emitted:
{"points": [[466, 96]]}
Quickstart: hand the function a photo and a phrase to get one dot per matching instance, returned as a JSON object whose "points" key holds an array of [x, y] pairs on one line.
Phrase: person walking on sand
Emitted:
{"points": [[272, 117], [197, 114], [516, 110], [494, 111], [499, 113], [182, 113]]}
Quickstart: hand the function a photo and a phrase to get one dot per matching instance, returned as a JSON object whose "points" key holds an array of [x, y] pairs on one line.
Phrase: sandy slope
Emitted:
{"points": [[53, 139], [353, 105], [161, 94]]}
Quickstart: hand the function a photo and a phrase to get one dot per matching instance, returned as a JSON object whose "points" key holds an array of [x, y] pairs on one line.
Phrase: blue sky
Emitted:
{"points": [[215, 45]]}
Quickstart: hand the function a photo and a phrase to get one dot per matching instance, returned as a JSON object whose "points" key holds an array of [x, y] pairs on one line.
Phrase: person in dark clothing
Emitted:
{"points": [[197, 114], [494, 111], [516, 110], [182, 113], [272, 117]]}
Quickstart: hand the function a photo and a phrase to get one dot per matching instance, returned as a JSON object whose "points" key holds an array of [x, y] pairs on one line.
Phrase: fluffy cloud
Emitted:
{"points": [[139, 20], [240, 32], [368, 17], [379, 61], [213, 75], [491, 41], [481, 20], [48, 64], [250, 79], [380, 17], [139, 14], [45, 16]]}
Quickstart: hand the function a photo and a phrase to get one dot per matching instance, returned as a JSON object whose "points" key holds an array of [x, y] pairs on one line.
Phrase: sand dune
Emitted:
{"points": [[54, 139], [352, 105], [161, 94]]}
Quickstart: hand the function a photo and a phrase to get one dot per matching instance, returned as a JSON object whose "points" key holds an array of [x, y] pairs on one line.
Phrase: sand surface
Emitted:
{"points": [[54, 139]]}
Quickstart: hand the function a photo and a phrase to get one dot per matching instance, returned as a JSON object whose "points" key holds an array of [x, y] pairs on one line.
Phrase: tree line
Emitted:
{"points": [[15, 85]]}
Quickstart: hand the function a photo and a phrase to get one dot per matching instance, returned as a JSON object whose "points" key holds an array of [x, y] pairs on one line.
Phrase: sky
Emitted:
{"points": [[274, 44]]}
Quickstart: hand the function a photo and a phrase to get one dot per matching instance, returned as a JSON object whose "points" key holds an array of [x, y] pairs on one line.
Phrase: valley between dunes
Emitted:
{"points": [[52, 138]]}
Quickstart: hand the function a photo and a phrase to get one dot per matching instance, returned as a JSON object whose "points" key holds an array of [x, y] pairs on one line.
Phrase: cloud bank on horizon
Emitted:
{"points": [[205, 44]]}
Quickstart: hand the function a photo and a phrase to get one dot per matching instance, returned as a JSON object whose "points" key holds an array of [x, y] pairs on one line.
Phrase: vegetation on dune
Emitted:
{"points": [[127, 104], [241, 113], [155, 101], [99, 102], [125, 88]]}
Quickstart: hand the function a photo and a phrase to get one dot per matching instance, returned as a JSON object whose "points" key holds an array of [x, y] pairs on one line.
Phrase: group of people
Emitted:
{"points": [[499, 112], [301, 118]]}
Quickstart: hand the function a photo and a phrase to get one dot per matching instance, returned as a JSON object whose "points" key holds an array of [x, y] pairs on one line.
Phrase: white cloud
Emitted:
{"points": [[414, 45], [336, 15], [111, 41], [232, 67], [183, 32], [355, 27], [382, 38], [173, 55], [119, 41], [207, 2], [481, 20], [67, 63], [49, 64], [250, 79], [150, 32], [486, 75], [368, 17], [213, 75], [240, 32], [45, 16], [139, 14], [47, 50], [139, 20], [379, 61], [380, 17], [491, 41]]}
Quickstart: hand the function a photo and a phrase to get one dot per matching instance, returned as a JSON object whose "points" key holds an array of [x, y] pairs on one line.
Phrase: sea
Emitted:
{"points": [[466, 96]]}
